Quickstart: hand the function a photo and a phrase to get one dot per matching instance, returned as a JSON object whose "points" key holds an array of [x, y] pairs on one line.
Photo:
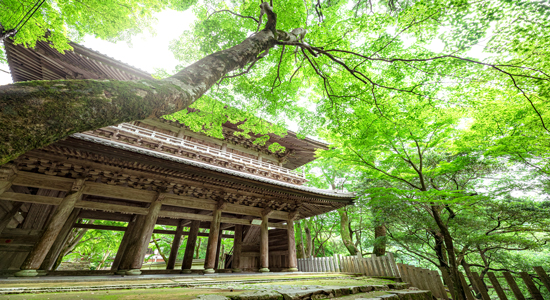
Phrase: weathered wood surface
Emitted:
{"points": [[237, 247], [543, 277], [190, 245], [60, 241], [513, 285], [58, 219], [211, 249], [128, 235], [145, 234], [176, 242]]}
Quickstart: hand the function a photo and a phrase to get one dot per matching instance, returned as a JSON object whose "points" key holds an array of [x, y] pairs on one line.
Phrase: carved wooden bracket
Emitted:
{"points": [[267, 212], [221, 204], [292, 216], [8, 172]]}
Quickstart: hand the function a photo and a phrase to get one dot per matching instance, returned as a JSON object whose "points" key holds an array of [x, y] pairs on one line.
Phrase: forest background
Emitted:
{"points": [[437, 114]]}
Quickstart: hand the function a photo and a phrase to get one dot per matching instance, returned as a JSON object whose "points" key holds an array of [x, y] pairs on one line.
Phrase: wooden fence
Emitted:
{"points": [[428, 279], [431, 280], [370, 266]]}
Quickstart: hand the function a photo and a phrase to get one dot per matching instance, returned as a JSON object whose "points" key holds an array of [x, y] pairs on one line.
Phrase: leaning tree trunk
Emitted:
{"points": [[37, 113], [345, 232]]}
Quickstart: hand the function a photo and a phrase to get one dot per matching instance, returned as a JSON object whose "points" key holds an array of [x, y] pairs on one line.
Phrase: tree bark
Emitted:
{"points": [[37, 113], [379, 240], [309, 240], [345, 232], [449, 246]]}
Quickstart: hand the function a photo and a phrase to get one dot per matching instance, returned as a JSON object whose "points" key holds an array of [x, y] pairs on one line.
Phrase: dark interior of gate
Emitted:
{"points": [[151, 172]]}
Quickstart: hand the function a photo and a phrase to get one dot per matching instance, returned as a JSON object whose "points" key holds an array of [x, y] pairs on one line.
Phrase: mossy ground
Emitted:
{"points": [[187, 293]]}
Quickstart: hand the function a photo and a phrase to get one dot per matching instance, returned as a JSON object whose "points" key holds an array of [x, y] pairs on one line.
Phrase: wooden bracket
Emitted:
{"points": [[292, 216], [221, 204], [267, 212], [78, 184], [8, 172]]}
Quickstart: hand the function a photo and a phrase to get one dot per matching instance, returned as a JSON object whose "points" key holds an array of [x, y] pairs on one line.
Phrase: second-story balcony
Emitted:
{"points": [[161, 142]]}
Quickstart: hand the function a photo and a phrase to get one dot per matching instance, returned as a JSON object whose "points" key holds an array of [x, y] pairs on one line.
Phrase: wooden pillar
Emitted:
{"points": [[176, 242], [137, 250], [237, 247], [211, 249], [128, 234], [264, 241], [60, 241], [58, 219], [190, 247], [138, 241], [218, 247], [292, 259]]}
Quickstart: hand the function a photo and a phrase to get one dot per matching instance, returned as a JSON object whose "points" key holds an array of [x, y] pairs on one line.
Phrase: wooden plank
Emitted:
{"points": [[535, 293], [28, 198], [43, 181], [467, 289], [393, 264], [366, 268], [449, 282], [9, 216], [497, 286], [439, 285], [543, 277], [119, 192], [482, 288], [513, 285], [431, 283]]}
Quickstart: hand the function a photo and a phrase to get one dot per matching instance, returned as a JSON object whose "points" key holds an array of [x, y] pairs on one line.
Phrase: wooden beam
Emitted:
{"points": [[111, 207], [119, 192], [28, 198], [43, 181], [159, 231]]}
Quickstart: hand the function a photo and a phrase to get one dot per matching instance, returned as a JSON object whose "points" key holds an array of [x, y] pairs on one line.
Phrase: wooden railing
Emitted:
{"points": [[168, 139], [370, 266], [478, 288]]}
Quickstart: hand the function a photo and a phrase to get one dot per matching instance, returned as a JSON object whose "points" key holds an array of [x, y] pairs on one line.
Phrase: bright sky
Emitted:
{"points": [[147, 52]]}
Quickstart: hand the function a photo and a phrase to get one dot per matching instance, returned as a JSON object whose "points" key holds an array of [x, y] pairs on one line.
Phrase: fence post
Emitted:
{"points": [[449, 282], [497, 286], [531, 286], [481, 286], [439, 285], [543, 277], [394, 265], [513, 285], [467, 290], [336, 264]]}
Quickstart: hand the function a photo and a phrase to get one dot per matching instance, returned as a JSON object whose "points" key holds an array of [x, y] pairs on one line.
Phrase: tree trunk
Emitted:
{"points": [[453, 271], [300, 240], [309, 241], [158, 248], [379, 240], [37, 113], [345, 232]]}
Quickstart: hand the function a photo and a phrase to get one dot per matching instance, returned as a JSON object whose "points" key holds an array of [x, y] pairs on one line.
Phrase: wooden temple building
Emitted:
{"points": [[151, 172]]}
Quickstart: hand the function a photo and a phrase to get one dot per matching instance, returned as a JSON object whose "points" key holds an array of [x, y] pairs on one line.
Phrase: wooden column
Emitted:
{"points": [[264, 241], [137, 250], [60, 241], [190, 247], [58, 219], [292, 259], [122, 247], [122, 260], [218, 247], [210, 260], [237, 247], [176, 242]]}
